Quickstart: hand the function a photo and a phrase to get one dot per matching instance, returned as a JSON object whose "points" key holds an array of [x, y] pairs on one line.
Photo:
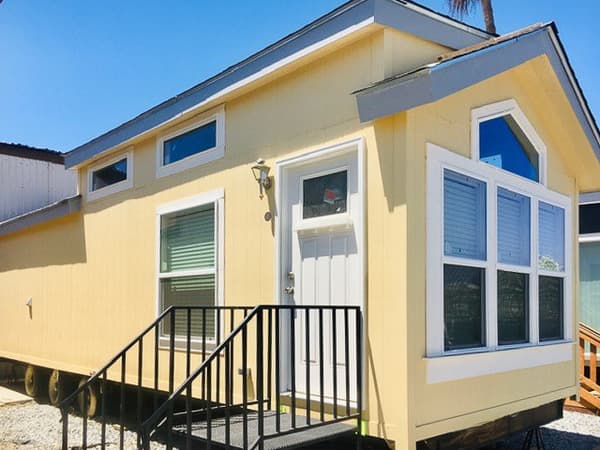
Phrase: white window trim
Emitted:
{"points": [[504, 108], [439, 159], [205, 156], [216, 197], [127, 183]]}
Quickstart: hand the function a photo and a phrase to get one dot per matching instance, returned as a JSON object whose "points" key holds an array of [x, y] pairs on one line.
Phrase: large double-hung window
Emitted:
{"points": [[498, 244], [189, 262]]}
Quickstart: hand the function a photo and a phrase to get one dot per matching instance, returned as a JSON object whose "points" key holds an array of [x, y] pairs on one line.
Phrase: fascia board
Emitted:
{"points": [[452, 76]]}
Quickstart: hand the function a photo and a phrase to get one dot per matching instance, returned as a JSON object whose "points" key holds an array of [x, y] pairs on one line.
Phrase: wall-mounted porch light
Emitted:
{"points": [[260, 171]]}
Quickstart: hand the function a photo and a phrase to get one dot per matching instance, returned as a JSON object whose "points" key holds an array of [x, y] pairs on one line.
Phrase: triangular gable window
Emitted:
{"points": [[506, 139]]}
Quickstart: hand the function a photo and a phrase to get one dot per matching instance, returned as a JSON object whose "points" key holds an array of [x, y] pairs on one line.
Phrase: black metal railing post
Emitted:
{"points": [[359, 375], [139, 389], [259, 378], [65, 428]]}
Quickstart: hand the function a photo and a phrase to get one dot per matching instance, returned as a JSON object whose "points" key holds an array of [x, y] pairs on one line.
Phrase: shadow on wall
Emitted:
{"points": [[57, 242]]}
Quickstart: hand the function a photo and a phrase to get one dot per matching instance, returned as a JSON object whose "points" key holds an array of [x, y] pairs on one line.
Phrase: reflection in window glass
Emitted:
{"points": [[513, 308], [502, 143], [551, 308], [325, 195], [111, 174], [464, 307], [551, 237], [464, 216], [188, 144]]}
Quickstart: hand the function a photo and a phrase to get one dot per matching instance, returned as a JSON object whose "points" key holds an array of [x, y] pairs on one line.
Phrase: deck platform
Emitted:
{"points": [[290, 439]]}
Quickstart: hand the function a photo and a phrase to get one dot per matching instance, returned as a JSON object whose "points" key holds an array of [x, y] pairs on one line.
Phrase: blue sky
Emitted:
{"points": [[70, 70]]}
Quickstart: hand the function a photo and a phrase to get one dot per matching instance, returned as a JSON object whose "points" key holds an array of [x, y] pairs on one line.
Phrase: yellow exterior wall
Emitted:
{"points": [[443, 407], [92, 276]]}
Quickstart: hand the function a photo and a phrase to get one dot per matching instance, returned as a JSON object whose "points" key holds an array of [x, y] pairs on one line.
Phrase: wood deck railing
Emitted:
{"points": [[589, 390]]}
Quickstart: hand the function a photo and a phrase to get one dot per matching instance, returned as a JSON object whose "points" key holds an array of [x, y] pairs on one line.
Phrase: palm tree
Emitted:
{"points": [[462, 7]]}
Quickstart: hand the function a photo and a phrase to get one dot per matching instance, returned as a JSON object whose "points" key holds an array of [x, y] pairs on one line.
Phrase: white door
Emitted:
{"points": [[322, 217]]}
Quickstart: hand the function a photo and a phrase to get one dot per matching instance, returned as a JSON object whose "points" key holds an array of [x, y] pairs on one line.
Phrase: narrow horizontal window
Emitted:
{"points": [[551, 308], [325, 195], [464, 216], [552, 237], [108, 175], [513, 228], [513, 308], [190, 143], [464, 307]]}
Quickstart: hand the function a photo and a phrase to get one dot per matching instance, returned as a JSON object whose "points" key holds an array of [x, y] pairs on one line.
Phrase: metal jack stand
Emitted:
{"points": [[539, 441]]}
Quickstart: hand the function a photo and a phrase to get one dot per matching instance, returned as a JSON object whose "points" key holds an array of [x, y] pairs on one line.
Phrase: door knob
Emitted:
{"points": [[289, 290]]}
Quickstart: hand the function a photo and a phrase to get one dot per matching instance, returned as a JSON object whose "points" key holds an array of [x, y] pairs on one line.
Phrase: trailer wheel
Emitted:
{"points": [[33, 381], [89, 395], [58, 387]]}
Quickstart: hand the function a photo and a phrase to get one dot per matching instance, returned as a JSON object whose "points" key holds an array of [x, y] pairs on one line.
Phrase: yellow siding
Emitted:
{"points": [[92, 276], [444, 407]]}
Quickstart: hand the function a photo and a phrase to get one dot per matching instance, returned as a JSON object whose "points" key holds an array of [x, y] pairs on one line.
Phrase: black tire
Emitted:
{"points": [[91, 395], [33, 381]]}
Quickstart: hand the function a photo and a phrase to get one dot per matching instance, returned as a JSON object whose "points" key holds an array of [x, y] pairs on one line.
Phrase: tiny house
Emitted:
{"points": [[367, 227]]}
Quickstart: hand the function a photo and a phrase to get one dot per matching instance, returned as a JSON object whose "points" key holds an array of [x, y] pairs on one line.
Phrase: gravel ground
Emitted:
{"points": [[575, 431], [37, 426]]}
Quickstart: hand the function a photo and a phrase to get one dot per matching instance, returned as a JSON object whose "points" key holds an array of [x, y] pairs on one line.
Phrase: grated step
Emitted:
{"points": [[293, 438]]}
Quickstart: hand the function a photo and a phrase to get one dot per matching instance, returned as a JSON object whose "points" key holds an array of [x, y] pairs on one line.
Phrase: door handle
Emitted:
{"points": [[289, 290]]}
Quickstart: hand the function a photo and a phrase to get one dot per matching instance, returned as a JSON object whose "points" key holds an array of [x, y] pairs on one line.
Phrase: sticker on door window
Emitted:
{"points": [[325, 195]]}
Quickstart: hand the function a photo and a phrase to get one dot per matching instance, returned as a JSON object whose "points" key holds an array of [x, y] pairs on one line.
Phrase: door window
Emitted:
{"points": [[325, 195]]}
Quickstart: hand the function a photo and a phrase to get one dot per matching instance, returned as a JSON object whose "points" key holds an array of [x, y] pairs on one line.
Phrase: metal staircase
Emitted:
{"points": [[266, 377]]}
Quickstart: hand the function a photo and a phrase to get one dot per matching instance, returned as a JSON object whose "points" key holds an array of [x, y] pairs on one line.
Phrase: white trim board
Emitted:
{"points": [[450, 368]]}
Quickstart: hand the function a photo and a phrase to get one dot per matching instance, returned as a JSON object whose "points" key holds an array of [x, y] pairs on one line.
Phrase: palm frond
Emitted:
{"points": [[461, 8]]}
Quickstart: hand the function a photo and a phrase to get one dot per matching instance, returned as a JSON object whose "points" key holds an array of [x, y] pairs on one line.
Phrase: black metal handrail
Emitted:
{"points": [[267, 321], [155, 330]]}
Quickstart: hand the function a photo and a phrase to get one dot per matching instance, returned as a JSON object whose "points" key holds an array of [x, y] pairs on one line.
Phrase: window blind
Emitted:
{"points": [[188, 240], [190, 291], [551, 237], [513, 228], [464, 216]]}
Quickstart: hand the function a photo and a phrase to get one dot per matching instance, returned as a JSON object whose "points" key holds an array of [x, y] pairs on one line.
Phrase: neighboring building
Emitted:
{"points": [[423, 173], [589, 259], [31, 178]]}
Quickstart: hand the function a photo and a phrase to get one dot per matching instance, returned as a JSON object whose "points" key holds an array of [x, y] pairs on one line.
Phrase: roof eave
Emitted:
{"points": [[448, 77], [347, 19]]}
